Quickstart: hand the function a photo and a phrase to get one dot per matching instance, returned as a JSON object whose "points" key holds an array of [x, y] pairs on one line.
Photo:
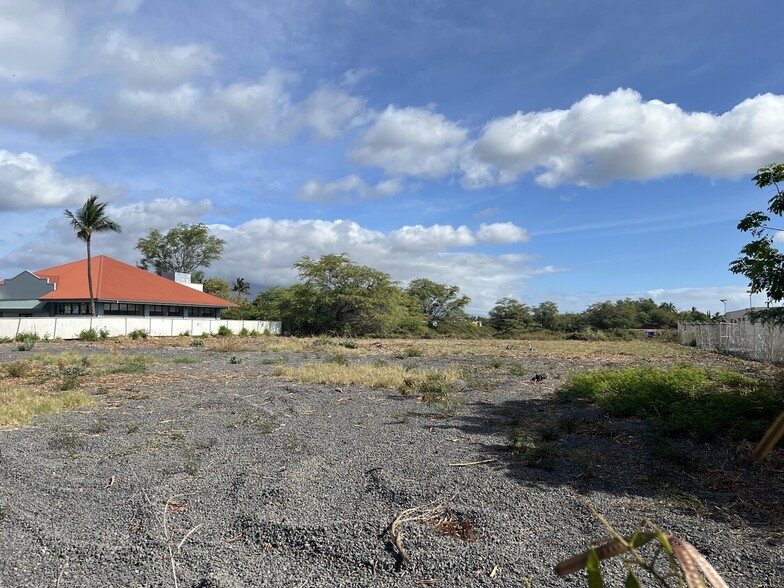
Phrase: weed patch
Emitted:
{"points": [[701, 403], [18, 405], [370, 376]]}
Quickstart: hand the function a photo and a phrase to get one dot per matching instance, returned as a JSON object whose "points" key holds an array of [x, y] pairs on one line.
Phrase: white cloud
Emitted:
{"points": [[35, 40], [57, 243], [412, 142], [28, 182], [433, 238], [315, 191], [620, 136], [127, 6], [502, 233], [258, 113], [328, 112], [139, 62], [29, 111]]}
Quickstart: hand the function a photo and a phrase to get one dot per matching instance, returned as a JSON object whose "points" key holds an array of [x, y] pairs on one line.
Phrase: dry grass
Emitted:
{"points": [[363, 375], [19, 405]]}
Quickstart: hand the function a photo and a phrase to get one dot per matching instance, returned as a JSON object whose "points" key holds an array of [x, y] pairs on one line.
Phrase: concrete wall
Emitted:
{"points": [[70, 327]]}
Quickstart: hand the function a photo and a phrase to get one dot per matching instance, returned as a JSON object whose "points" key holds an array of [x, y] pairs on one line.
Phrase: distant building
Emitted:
{"points": [[120, 290], [741, 316]]}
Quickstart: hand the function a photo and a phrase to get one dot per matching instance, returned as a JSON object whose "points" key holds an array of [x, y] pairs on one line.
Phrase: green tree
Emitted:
{"points": [[761, 261], [218, 287], [351, 298], [546, 314], [438, 302], [509, 317], [241, 287], [89, 219], [183, 248]]}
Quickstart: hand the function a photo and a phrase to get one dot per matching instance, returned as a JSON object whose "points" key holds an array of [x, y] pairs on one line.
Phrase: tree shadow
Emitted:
{"points": [[547, 441]]}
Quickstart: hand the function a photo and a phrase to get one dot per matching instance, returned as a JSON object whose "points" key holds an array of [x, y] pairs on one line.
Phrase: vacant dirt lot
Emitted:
{"points": [[206, 467]]}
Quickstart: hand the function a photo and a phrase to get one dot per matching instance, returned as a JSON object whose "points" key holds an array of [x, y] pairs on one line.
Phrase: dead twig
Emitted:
{"points": [[471, 463]]}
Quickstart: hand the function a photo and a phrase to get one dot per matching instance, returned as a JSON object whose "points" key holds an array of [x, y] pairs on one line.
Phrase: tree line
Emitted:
{"points": [[334, 295]]}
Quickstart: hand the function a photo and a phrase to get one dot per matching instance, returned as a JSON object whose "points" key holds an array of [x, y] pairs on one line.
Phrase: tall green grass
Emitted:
{"points": [[706, 404]]}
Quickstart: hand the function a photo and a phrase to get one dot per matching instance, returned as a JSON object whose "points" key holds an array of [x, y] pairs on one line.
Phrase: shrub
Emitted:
{"points": [[27, 336], [411, 352], [224, 331], [185, 334], [349, 344], [103, 333], [5, 339], [197, 343], [17, 369], [338, 358], [26, 345], [495, 363], [536, 452], [88, 335], [517, 369], [138, 334], [434, 388], [322, 341], [244, 332]]}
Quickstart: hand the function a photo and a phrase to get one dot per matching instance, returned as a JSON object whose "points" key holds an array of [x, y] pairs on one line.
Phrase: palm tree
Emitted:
{"points": [[241, 287], [87, 220]]}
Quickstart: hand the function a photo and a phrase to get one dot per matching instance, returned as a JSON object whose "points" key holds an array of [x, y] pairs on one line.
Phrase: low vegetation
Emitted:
{"points": [[705, 404], [19, 404]]}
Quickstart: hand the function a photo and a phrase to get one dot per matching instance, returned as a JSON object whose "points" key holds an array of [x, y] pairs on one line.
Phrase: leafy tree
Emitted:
{"points": [[607, 316], [183, 248], [241, 287], [89, 219], [761, 261], [218, 287], [437, 302], [546, 314], [350, 298], [509, 317]]}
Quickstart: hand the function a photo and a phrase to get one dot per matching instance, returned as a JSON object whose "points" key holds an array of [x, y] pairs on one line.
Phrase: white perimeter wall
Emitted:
{"points": [[70, 327]]}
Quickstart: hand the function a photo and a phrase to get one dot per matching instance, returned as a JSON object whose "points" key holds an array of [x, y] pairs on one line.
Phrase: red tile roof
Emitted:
{"points": [[117, 281]]}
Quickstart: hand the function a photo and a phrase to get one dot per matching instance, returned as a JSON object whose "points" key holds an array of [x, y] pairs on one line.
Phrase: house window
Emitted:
{"points": [[73, 308], [198, 311], [124, 309], [160, 310]]}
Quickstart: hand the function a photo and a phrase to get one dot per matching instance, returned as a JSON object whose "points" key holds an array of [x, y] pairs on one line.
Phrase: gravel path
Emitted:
{"points": [[212, 474]]}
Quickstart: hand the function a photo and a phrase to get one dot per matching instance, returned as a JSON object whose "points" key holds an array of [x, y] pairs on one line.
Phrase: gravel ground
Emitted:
{"points": [[213, 474]]}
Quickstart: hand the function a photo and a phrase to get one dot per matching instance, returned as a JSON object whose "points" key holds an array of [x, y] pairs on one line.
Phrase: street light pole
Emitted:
{"points": [[724, 301]]}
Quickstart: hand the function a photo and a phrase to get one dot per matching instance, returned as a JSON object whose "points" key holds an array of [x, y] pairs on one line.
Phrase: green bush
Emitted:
{"points": [[197, 343], [434, 388], [244, 332], [138, 334], [698, 402], [26, 345], [517, 369], [224, 331], [88, 335], [349, 344], [27, 336]]}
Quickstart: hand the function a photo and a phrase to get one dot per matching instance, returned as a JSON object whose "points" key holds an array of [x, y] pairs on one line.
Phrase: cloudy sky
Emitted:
{"points": [[570, 151]]}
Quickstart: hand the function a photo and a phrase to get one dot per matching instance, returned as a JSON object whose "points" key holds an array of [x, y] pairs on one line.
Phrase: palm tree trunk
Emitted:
{"points": [[90, 279]]}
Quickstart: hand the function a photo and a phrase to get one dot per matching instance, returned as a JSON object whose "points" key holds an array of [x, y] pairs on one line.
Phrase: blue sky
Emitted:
{"points": [[570, 151]]}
